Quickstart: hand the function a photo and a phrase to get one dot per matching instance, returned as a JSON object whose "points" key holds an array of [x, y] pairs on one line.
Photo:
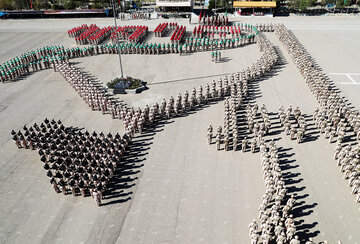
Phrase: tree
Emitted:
{"points": [[70, 4], [127, 6], [219, 4], [97, 4], [301, 5], [41, 4], [138, 3], [19, 4], [325, 2], [310, 3], [6, 5]]}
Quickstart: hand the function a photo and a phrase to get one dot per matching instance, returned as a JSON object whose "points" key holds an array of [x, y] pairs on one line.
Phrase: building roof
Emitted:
{"points": [[254, 4]]}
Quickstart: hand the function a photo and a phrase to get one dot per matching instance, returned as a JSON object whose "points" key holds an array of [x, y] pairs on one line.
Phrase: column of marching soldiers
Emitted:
{"points": [[335, 118], [274, 212], [236, 86], [134, 120], [276, 223], [238, 92], [49, 56]]}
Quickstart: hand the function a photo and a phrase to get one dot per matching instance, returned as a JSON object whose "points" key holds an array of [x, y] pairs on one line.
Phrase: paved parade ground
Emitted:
{"points": [[177, 188]]}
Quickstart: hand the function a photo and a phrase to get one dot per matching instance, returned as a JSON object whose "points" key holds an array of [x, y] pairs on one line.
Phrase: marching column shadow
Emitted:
{"points": [[126, 177], [300, 208]]}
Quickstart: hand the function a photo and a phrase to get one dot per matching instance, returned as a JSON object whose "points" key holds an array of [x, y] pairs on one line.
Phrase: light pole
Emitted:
{"points": [[117, 39]]}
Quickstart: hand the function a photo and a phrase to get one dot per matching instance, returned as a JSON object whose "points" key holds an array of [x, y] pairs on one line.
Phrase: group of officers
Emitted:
{"points": [[335, 118], [76, 162], [136, 15], [216, 20]]}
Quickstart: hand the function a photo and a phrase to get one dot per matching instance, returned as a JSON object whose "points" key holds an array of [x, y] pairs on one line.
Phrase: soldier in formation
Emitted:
{"points": [[215, 20], [297, 130], [268, 27], [237, 89], [43, 58], [96, 97], [215, 56], [349, 162], [258, 124], [276, 221], [50, 56], [335, 118], [79, 163]]}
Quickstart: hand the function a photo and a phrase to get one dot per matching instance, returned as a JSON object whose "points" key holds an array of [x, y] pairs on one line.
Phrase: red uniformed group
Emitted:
{"points": [[138, 34], [163, 28], [90, 34], [209, 31], [130, 33], [178, 34]]}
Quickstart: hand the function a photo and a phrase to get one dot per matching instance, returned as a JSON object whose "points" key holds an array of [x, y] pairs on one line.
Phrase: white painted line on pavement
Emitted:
{"points": [[344, 73], [348, 83], [350, 78], [348, 75]]}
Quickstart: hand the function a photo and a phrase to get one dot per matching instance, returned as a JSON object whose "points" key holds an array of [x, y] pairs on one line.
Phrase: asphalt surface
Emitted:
{"points": [[179, 190]]}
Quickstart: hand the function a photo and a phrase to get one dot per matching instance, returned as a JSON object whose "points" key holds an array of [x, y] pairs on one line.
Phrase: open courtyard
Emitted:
{"points": [[174, 187]]}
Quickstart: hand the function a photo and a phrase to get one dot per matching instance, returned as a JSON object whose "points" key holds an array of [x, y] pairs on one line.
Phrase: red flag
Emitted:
{"points": [[30, 4]]}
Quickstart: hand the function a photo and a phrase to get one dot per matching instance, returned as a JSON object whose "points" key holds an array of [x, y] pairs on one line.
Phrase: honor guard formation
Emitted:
{"points": [[83, 163]]}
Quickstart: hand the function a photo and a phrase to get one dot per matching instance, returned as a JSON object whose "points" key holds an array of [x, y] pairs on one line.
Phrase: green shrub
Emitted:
{"points": [[112, 83], [55, 6], [131, 83], [6, 5], [70, 4], [41, 4]]}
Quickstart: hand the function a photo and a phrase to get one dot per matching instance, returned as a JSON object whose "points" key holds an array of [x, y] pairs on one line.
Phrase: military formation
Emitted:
{"points": [[276, 222], [20, 66], [335, 118], [269, 27], [236, 86], [47, 57], [95, 97], [238, 91], [216, 20], [139, 15], [235, 30], [296, 131], [82, 163], [78, 163]]}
